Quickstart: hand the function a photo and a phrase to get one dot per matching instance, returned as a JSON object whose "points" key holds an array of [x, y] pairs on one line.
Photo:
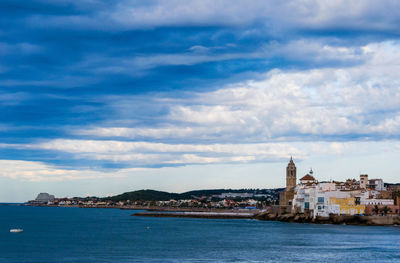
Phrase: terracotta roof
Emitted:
{"points": [[307, 177]]}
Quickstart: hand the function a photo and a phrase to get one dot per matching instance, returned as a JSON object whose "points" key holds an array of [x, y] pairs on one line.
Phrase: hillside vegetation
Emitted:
{"points": [[153, 195]]}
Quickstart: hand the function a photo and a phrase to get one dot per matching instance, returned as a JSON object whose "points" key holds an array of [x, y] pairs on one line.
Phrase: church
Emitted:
{"points": [[286, 197]]}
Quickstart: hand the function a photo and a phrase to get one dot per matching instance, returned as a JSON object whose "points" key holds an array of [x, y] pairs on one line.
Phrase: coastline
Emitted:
{"points": [[370, 220], [206, 215], [150, 208], [374, 220]]}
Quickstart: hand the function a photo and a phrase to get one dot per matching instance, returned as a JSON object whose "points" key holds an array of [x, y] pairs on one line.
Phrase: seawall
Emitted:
{"points": [[374, 220], [292, 218], [209, 215]]}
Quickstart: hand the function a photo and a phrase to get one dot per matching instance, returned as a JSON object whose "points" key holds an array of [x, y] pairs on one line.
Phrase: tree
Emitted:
{"points": [[385, 210], [376, 209], [396, 194]]}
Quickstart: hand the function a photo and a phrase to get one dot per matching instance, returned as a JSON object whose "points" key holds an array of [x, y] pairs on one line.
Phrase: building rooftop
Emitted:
{"points": [[307, 177]]}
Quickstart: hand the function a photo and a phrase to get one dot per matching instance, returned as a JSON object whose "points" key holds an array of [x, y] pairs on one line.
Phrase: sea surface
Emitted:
{"points": [[112, 235]]}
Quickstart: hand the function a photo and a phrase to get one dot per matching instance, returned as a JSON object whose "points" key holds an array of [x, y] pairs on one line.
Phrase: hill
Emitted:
{"points": [[143, 195], [153, 195]]}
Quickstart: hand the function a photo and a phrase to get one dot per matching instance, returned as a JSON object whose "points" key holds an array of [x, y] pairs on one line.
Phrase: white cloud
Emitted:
{"points": [[156, 133], [358, 101], [142, 155], [136, 65], [310, 51], [146, 153], [258, 121], [253, 121], [276, 16], [315, 51], [40, 172]]}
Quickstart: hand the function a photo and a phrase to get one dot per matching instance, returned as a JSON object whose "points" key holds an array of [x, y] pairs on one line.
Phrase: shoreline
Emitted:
{"points": [[156, 208], [211, 215], [367, 220], [374, 220], [370, 220]]}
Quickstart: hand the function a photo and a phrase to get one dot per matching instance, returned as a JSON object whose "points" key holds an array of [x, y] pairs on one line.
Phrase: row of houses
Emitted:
{"points": [[242, 202], [224, 203], [352, 197], [343, 198], [325, 198]]}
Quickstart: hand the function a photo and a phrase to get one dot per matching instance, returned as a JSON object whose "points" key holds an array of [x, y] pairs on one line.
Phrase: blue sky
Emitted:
{"points": [[103, 97]]}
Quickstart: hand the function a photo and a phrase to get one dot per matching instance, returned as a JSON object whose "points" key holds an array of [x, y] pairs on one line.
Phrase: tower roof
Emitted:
{"points": [[307, 177]]}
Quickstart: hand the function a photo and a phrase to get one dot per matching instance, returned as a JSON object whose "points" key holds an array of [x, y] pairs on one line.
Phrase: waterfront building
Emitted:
{"points": [[323, 199], [374, 201], [308, 179], [341, 198], [348, 206], [377, 184]]}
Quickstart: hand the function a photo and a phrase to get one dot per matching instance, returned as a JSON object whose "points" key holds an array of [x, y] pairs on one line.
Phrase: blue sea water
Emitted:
{"points": [[112, 235]]}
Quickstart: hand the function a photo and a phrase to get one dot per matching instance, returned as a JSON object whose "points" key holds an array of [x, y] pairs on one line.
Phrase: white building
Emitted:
{"points": [[308, 179], [377, 201], [314, 198], [377, 184], [325, 198], [236, 195]]}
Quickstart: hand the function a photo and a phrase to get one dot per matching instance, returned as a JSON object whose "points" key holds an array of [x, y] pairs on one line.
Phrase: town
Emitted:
{"points": [[254, 199], [307, 197], [352, 197]]}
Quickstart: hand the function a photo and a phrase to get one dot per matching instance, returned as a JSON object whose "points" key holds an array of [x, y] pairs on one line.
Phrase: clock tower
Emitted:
{"points": [[290, 176], [286, 197]]}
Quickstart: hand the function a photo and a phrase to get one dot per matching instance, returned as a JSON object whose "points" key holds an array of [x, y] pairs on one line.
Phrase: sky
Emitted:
{"points": [[104, 97]]}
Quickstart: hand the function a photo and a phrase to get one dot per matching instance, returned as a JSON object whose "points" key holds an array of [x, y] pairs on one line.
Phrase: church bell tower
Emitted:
{"points": [[290, 176]]}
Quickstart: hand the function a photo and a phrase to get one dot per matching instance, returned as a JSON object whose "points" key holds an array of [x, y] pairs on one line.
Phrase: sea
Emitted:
{"points": [[59, 234]]}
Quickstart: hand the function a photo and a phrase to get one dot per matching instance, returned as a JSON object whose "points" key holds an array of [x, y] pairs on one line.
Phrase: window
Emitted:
{"points": [[320, 199], [306, 205]]}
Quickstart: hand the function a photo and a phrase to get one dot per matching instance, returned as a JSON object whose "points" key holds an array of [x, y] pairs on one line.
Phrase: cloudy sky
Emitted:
{"points": [[103, 97]]}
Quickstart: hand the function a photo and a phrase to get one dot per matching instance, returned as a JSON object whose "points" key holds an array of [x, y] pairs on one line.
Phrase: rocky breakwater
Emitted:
{"points": [[332, 219], [209, 215]]}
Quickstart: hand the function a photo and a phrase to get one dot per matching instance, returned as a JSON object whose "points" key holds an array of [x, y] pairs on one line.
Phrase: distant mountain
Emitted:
{"points": [[143, 195], [153, 195]]}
